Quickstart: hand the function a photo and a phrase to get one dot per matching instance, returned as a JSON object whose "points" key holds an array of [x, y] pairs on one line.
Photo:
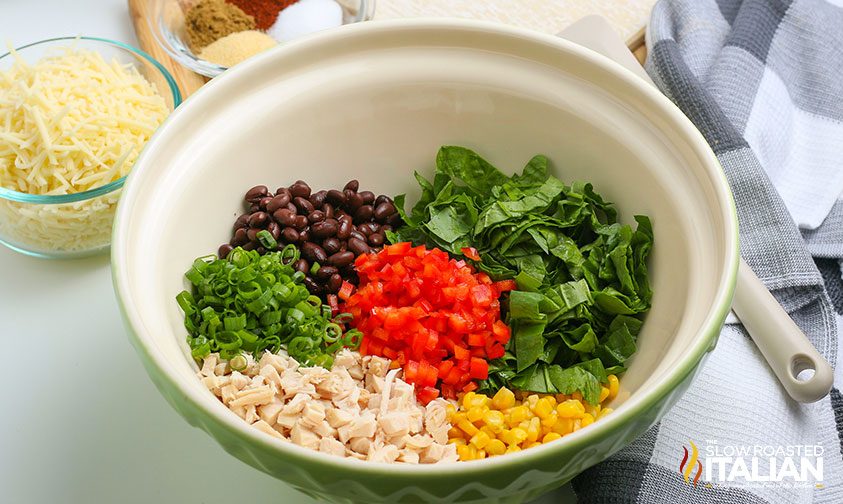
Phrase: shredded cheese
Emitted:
{"points": [[69, 123]]}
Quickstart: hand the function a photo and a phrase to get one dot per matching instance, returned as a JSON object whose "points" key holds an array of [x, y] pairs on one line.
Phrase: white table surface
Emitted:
{"points": [[80, 420]]}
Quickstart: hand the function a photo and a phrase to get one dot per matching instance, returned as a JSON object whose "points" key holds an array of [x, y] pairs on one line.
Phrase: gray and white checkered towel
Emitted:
{"points": [[763, 81]]}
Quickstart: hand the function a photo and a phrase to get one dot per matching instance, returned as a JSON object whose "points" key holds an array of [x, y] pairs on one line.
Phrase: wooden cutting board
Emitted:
{"points": [[626, 17]]}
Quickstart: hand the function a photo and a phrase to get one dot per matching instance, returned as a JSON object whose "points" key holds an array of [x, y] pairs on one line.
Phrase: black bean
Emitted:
{"points": [[302, 265], [241, 221], [394, 219], [329, 210], [252, 233], [293, 208], [353, 201], [339, 213], [304, 205], [368, 197], [300, 222], [239, 237], [283, 190], [357, 234], [376, 239], [325, 272], [352, 185], [367, 228], [263, 202], [284, 216], [290, 235], [331, 245], [226, 249], [334, 283], [312, 286], [364, 214], [342, 259], [254, 207], [380, 199], [357, 247], [316, 216], [261, 250], [300, 189], [386, 228], [255, 194], [344, 228], [318, 198], [335, 197], [277, 202], [250, 246], [304, 235], [258, 219], [314, 252], [274, 229], [383, 211], [324, 229]]}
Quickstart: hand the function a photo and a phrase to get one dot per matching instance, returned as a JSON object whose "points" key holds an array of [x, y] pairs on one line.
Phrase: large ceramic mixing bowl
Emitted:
{"points": [[374, 102]]}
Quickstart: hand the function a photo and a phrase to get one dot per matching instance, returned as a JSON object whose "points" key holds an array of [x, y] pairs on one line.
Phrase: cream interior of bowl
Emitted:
{"points": [[376, 108]]}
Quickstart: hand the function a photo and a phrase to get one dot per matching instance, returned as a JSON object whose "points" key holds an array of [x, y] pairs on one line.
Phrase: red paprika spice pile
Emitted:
{"points": [[265, 12], [432, 315]]}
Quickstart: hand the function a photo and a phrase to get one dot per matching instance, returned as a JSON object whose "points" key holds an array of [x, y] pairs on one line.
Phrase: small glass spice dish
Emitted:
{"points": [[169, 25]]}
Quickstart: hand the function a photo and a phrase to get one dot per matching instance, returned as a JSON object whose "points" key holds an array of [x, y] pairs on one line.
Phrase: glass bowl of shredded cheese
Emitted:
{"points": [[75, 113]]}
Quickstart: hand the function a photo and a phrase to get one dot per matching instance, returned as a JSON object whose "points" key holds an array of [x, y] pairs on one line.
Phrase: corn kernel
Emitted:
{"points": [[519, 414], [467, 452], [457, 441], [480, 440], [533, 430], [513, 448], [457, 417], [488, 430], [577, 425], [570, 409], [495, 420], [543, 407], [455, 432], [475, 414], [604, 393], [503, 399], [466, 400], [468, 427], [518, 435], [587, 420], [577, 396], [531, 401], [614, 386], [550, 419], [592, 410], [479, 401], [604, 412], [481, 454], [533, 445], [552, 436], [563, 426], [496, 447]]}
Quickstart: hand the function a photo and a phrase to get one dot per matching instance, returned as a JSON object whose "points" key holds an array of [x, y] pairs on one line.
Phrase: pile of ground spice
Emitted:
{"points": [[211, 20], [265, 12], [232, 49]]}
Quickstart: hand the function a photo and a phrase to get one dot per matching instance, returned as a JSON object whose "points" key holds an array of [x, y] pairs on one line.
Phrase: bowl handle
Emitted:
{"points": [[785, 347], [783, 344]]}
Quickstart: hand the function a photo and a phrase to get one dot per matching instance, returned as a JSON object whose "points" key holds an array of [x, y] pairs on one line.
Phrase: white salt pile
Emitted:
{"points": [[305, 16]]}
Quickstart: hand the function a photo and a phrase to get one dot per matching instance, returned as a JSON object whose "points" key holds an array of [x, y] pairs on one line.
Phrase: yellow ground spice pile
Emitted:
{"points": [[211, 20], [234, 48]]}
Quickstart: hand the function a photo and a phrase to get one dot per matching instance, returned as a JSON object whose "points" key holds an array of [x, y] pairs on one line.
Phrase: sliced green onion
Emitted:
{"points": [[266, 239], [238, 363], [315, 268]]}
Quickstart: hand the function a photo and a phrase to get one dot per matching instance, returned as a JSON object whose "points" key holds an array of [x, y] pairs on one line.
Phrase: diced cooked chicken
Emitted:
{"points": [[359, 409], [267, 428], [303, 436], [331, 446]]}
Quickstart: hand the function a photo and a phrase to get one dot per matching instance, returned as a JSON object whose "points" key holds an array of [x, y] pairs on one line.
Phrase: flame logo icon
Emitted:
{"points": [[687, 466]]}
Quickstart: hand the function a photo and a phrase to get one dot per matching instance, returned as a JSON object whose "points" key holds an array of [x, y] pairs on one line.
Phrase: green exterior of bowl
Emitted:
{"points": [[513, 478]]}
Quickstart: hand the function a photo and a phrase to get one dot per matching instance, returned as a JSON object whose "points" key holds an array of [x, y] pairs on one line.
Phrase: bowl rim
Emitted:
{"points": [[705, 338], [21, 197]]}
